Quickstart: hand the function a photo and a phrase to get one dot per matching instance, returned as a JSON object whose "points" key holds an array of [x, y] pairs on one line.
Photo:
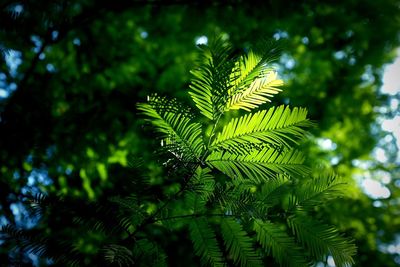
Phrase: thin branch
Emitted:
{"points": [[195, 216]]}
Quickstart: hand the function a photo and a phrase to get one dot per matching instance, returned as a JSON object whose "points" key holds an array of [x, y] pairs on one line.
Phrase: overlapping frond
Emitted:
{"points": [[317, 190], [277, 242], [205, 243], [253, 65], [259, 92], [117, 255], [210, 83], [176, 127], [202, 183], [322, 240], [276, 126], [258, 165], [239, 244], [272, 191], [148, 253]]}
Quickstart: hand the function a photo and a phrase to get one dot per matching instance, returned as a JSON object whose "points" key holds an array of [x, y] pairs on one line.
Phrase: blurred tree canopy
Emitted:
{"points": [[72, 73]]}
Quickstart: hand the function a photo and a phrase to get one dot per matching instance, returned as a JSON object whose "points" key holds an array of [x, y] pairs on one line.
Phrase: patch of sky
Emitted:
{"points": [[331, 261], [144, 34], [339, 55], [305, 40], [13, 59], [392, 126], [326, 144], [368, 76], [280, 35], [76, 41], [37, 42], [22, 216], [201, 40], [54, 35], [50, 68], [288, 61], [391, 77], [373, 188]]}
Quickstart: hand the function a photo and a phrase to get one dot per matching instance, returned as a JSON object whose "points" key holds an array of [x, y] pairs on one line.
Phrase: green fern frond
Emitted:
{"points": [[322, 240], [236, 198], [258, 165], [259, 92], [210, 83], [118, 255], [148, 253], [318, 190], [202, 183], [205, 243], [272, 192], [277, 242], [239, 244], [276, 126], [176, 128]]}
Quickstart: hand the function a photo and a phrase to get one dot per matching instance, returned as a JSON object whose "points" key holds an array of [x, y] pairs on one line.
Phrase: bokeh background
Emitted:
{"points": [[72, 72]]}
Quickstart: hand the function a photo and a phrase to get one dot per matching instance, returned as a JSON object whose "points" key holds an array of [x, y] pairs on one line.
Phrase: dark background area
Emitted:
{"points": [[72, 72]]}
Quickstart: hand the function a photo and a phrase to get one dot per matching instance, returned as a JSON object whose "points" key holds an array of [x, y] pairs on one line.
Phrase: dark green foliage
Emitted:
{"points": [[240, 184]]}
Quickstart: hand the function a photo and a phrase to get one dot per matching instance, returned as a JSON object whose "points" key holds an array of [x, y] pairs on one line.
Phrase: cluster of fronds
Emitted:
{"points": [[245, 196]]}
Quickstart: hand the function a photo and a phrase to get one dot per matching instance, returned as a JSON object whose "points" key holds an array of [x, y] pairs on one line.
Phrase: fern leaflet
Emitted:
{"points": [[275, 126]]}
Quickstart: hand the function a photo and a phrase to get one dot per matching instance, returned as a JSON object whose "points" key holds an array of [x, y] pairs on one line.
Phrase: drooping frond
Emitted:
{"points": [[176, 127], [322, 240], [210, 83], [235, 197], [272, 191], [259, 92], [317, 190], [239, 244], [117, 255], [276, 126], [202, 183], [258, 165], [204, 242], [277, 242], [148, 253]]}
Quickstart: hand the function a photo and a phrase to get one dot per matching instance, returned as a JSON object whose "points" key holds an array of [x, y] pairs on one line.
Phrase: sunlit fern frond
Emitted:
{"points": [[323, 240], [279, 244], [276, 126], [253, 65], [210, 83], [258, 92], [258, 165], [176, 127], [238, 244]]}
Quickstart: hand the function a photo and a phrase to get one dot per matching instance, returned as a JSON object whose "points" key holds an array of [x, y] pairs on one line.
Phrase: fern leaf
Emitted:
{"points": [[148, 253], [259, 92], [118, 255], [318, 190], [239, 244], [277, 242], [272, 192], [258, 165], [276, 126], [176, 127], [203, 183], [205, 243], [321, 240], [209, 86]]}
